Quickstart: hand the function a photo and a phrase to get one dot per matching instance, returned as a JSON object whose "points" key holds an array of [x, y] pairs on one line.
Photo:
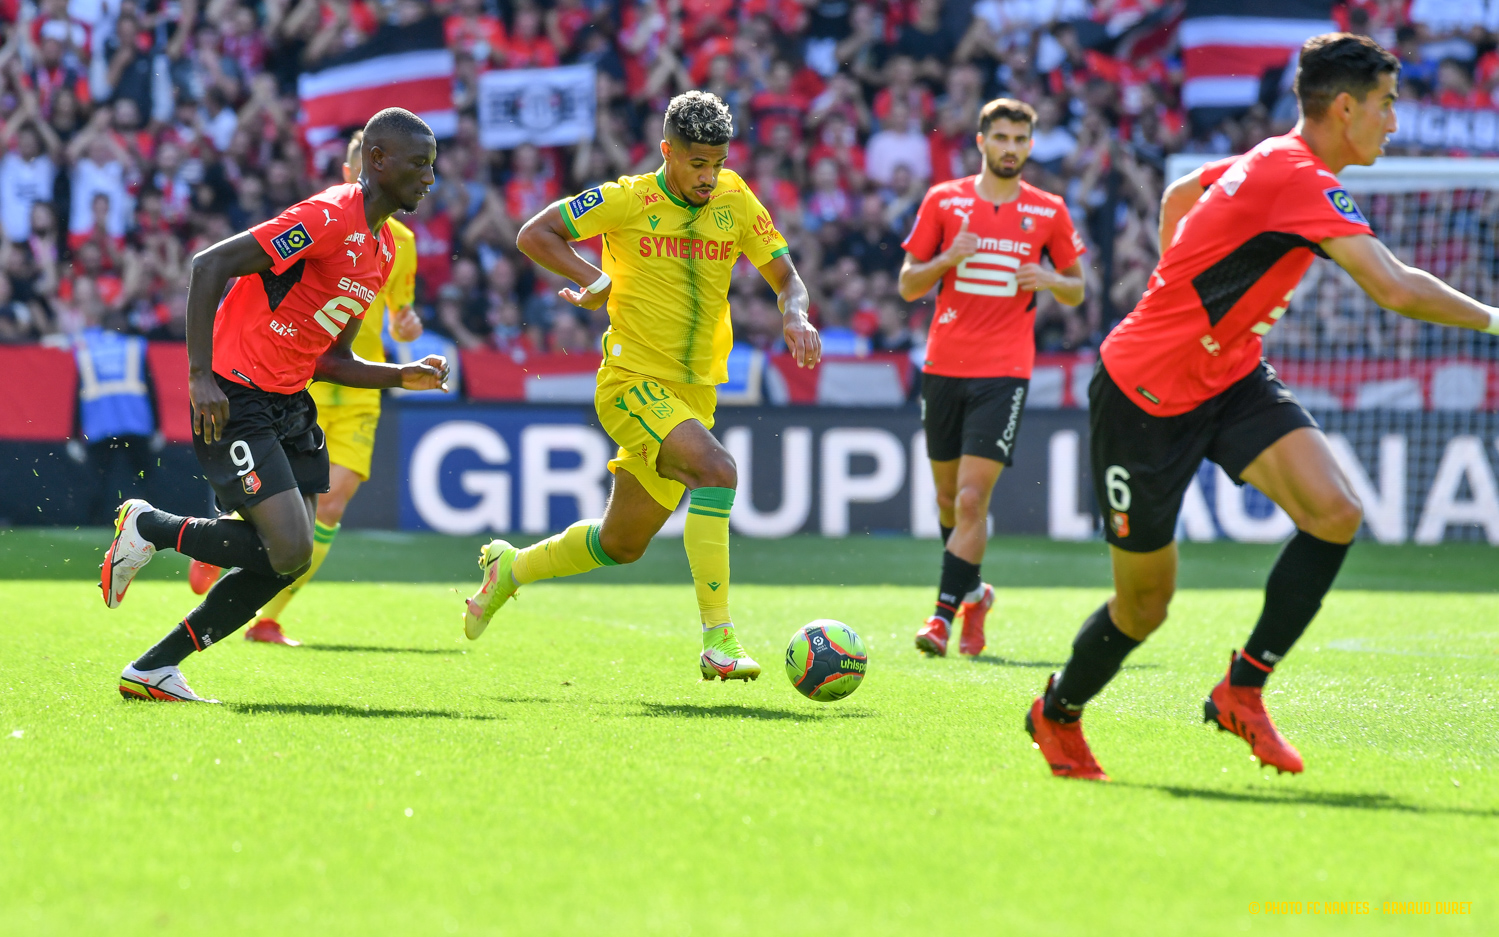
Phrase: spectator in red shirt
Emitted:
{"points": [[774, 190], [839, 141], [53, 22], [1455, 87], [843, 95], [242, 41], [565, 20], [529, 189], [52, 73], [778, 105], [470, 30], [950, 143], [433, 228], [901, 85], [828, 201], [528, 47]]}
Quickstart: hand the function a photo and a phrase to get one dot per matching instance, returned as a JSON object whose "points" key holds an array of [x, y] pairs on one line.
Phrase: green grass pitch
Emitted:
{"points": [[570, 774]]}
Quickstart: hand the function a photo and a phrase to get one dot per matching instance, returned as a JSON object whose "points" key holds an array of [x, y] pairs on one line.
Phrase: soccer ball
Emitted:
{"points": [[826, 660]]}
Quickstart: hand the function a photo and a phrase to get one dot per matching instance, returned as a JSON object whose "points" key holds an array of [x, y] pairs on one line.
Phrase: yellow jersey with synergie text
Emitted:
{"points": [[399, 292], [670, 264]]}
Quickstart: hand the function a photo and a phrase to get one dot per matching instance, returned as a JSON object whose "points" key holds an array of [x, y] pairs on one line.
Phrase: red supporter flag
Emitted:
{"points": [[408, 67], [1228, 46]]}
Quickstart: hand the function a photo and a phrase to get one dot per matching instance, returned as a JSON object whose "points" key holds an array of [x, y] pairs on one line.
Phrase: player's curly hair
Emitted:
{"points": [[1336, 62], [698, 117]]}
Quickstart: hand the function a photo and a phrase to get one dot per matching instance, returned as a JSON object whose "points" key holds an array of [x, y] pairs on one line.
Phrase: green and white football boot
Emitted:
{"points": [[495, 560], [724, 657]]}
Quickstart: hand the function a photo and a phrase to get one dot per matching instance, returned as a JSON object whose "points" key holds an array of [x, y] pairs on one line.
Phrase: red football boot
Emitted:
{"points": [[268, 631], [201, 576], [932, 638], [1061, 743], [972, 641], [1241, 710]]}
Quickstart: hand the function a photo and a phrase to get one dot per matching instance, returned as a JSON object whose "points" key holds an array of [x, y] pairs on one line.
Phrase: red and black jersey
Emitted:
{"points": [[327, 268], [1229, 275], [984, 324]]}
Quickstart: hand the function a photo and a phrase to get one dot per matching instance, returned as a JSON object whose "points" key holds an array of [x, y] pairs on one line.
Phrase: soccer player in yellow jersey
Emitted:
{"points": [[670, 241], [348, 416]]}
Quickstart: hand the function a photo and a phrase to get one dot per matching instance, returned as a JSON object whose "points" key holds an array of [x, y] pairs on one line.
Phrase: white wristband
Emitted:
{"points": [[599, 285], [1493, 328]]}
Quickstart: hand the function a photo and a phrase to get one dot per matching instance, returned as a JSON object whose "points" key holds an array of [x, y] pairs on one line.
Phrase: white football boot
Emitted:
{"points": [[164, 684], [128, 552]]}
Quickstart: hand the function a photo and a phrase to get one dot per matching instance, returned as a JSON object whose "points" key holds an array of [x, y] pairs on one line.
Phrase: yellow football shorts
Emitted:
{"points": [[350, 428], [638, 412]]}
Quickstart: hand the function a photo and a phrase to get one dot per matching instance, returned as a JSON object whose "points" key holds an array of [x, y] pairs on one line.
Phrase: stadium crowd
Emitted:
{"points": [[136, 132]]}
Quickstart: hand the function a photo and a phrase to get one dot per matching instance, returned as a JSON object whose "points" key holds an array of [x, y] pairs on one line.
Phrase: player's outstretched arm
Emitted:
{"points": [[1176, 201], [546, 240], [1407, 290], [802, 339], [339, 365], [916, 277], [212, 269]]}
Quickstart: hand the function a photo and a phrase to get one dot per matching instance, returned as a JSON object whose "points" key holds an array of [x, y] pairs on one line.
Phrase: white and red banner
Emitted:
{"points": [[408, 67], [539, 106], [1228, 46]]}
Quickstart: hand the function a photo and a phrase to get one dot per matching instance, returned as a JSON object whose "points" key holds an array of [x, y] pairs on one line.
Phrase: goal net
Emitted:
{"points": [[1410, 407]]}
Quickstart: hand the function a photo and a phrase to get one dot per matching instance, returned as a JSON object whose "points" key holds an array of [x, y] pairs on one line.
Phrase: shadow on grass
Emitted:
{"points": [[996, 661], [375, 649], [360, 712], [726, 711], [1339, 799]]}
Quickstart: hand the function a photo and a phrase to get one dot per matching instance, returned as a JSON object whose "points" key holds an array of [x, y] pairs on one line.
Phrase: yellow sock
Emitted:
{"points": [[706, 538], [322, 542], [575, 550]]}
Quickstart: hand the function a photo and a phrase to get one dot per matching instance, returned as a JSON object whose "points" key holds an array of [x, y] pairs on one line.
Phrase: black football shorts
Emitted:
{"points": [[972, 416], [271, 444], [1143, 464]]}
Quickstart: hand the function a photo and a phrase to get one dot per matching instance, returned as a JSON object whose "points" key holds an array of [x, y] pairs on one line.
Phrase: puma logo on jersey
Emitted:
{"points": [[327, 218], [353, 258]]}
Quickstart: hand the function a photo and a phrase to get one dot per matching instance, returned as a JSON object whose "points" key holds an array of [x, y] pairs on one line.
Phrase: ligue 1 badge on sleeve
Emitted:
{"points": [[586, 202], [292, 241], [1343, 204]]}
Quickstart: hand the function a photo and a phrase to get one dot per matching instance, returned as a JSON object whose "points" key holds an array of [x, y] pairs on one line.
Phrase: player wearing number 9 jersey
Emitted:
{"points": [[305, 280], [985, 237], [1181, 379]]}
